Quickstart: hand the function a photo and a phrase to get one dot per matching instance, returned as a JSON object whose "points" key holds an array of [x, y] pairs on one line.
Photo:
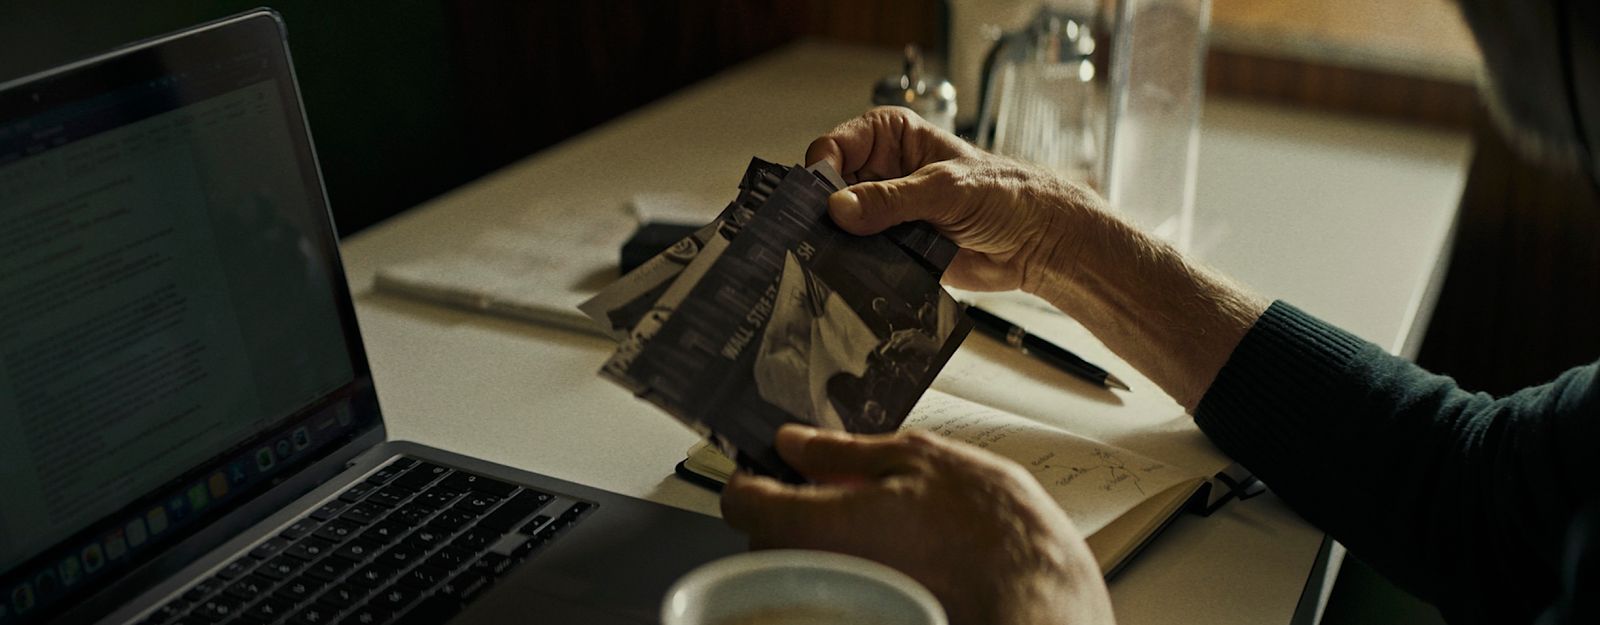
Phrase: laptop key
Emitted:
{"points": [[425, 538], [342, 596], [373, 575], [476, 504], [451, 520], [367, 615], [168, 612], [310, 549], [382, 476], [299, 589], [250, 587], [300, 529], [236, 569], [362, 513], [449, 559], [393, 599], [411, 514], [492, 565], [514, 510], [490, 486], [203, 589], [329, 510], [218, 608], [422, 578], [386, 532], [329, 568], [281, 567], [313, 615], [435, 498], [356, 491], [357, 550], [338, 531], [476, 539], [533, 526], [386, 498], [421, 475], [268, 610], [269, 549], [400, 555]]}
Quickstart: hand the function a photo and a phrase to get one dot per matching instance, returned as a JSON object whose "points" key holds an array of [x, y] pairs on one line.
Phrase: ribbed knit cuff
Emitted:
{"points": [[1278, 387]]}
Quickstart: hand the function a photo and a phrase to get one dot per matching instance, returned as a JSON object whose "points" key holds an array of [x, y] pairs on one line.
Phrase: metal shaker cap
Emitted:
{"points": [[932, 97]]}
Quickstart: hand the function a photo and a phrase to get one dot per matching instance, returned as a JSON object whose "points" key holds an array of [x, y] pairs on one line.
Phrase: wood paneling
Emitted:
{"points": [[1342, 89], [1424, 38]]}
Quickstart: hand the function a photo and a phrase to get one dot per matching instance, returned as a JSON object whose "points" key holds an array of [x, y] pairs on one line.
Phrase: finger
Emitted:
{"points": [[886, 142], [873, 138], [769, 510], [830, 456], [871, 207]]}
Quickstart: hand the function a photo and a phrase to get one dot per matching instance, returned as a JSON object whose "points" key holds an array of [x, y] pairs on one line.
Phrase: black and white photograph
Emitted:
{"points": [[797, 321]]}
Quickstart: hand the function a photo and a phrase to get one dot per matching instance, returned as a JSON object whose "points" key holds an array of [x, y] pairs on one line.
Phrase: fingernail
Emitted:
{"points": [[845, 199]]}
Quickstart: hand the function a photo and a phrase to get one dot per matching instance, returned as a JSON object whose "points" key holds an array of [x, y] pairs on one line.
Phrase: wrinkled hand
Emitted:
{"points": [[1012, 220], [974, 528]]}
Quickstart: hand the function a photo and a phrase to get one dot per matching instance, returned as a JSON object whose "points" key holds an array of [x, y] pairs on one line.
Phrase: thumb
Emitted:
{"points": [[832, 456], [872, 207]]}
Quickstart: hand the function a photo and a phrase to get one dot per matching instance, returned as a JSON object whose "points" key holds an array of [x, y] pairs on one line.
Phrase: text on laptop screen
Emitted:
{"points": [[164, 301]]}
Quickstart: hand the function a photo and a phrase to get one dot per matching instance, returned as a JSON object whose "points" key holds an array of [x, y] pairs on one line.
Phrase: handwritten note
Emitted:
{"points": [[1094, 482]]}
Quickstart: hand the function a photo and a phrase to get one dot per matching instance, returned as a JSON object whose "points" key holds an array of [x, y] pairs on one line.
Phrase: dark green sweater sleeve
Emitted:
{"points": [[1464, 499]]}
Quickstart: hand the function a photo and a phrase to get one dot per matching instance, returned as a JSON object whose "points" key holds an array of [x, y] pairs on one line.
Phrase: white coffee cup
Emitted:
{"points": [[798, 587]]}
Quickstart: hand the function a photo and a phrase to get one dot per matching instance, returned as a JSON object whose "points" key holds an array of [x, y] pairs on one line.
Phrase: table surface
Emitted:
{"points": [[1348, 219]]}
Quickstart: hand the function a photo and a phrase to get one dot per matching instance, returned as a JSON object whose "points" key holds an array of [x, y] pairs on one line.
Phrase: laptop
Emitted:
{"points": [[189, 431]]}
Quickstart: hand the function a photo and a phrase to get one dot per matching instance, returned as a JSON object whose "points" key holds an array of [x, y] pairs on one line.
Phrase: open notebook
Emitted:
{"points": [[1121, 464]]}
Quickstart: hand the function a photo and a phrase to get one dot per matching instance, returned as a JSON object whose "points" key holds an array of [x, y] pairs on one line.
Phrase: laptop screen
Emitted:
{"points": [[174, 334]]}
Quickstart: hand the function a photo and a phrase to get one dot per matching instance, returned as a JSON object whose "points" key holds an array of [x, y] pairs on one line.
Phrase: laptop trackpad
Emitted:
{"points": [[612, 567]]}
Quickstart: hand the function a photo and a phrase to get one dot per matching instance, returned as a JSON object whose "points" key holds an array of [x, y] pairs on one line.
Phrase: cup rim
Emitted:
{"points": [[699, 579]]}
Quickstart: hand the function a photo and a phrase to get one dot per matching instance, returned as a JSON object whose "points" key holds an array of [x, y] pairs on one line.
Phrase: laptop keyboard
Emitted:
{"points": [[412, 544]]}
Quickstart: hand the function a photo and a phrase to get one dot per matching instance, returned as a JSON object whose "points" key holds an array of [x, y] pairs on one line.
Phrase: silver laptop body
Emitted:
{"points": [[189, 431]]}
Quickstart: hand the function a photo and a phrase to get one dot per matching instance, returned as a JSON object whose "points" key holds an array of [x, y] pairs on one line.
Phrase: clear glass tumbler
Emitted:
{"points": [[1157, 87]]}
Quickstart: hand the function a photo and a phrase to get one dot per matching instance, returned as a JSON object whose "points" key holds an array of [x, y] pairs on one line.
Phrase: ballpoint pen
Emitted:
{"points": [[1052, 354]]}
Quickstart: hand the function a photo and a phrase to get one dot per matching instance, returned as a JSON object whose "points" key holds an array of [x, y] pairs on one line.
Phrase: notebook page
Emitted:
{"points": [[1094, 482], [1145, 420]]}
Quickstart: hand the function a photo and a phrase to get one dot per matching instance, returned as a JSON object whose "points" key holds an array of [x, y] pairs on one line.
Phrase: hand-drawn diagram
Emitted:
{"points": [[1106, 470]]}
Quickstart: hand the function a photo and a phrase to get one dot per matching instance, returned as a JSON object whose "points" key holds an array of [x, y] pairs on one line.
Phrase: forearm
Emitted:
{"points": [[1174, 320], [1460, 498]]}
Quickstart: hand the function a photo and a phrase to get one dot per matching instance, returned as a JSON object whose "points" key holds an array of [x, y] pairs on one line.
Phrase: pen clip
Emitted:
{"points": [[1014, 336]]}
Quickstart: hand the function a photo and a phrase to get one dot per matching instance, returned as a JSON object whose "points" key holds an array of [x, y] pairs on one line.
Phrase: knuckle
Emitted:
{"points": [[889, 112], [950, 173], [920, 444], [821, 144]]}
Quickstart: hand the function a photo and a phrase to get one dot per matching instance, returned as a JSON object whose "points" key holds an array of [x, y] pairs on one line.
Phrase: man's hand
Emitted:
{"points": [[1009, 217], [976, 529], [1021, 227]]}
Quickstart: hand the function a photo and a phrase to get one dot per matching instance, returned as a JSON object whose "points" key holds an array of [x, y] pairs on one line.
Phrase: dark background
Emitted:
{"points": [[410, 98]]}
